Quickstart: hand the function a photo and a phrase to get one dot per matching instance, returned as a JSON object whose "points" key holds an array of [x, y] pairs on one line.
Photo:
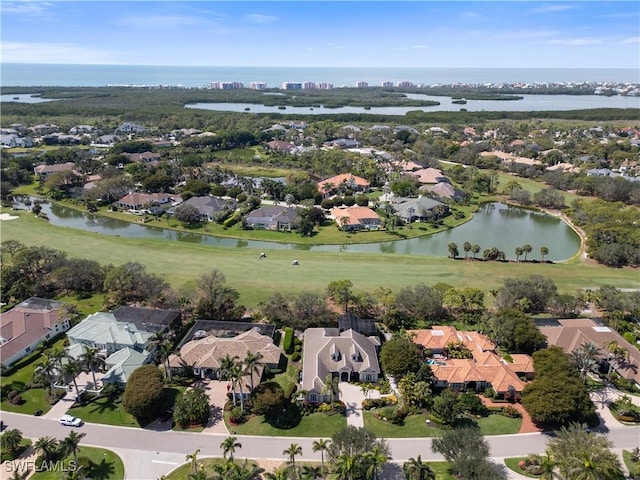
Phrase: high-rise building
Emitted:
{"points": [[362, 84]]}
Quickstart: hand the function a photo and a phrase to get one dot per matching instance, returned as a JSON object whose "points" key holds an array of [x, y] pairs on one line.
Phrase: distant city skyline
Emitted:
{"points": [[422, 34]]}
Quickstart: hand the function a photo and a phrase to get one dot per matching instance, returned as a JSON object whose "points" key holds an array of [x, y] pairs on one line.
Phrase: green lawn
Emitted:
{"points": [[107, 465], [184, 262], [109, 412], [634, 469], [416, 426], [21, 374], [318, 425], [441, 469], [103, 410], [499, 425]]}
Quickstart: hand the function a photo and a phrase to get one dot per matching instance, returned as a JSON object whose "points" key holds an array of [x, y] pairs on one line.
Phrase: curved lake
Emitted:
{"points": [[495, 224], [529, 103]]}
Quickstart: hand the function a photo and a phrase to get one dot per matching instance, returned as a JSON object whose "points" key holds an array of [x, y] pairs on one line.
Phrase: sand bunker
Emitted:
{"points": [[6, 216]]}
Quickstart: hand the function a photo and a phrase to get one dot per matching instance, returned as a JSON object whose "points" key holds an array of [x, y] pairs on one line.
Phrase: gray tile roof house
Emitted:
{"points": [[273, 217], [210, 207], [103, 331], [348, 355], [412, 209], [121, 364], [444, 191]]}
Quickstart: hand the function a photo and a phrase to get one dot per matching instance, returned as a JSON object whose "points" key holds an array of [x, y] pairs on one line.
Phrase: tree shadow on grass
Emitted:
{"points": [[289, 418], [102, 470]]}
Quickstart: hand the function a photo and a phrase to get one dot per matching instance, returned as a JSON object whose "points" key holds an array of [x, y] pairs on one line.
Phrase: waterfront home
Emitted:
{"points": [[153, 203], [419, 209], [355, 218], [210, 207], [272, 217]]}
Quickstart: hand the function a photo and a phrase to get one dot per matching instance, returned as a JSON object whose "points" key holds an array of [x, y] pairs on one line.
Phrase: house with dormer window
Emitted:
{"points": [[328, 352]]}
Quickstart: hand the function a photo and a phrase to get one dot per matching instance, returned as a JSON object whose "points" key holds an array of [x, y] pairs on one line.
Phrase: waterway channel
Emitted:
{"points": [[494, 225]]}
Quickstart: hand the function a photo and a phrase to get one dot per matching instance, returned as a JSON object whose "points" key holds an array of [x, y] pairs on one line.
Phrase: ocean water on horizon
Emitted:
{"points": [[30, 75]]}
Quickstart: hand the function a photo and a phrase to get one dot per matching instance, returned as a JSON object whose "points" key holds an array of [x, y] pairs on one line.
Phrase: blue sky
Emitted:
{"points": [[324, 34]]}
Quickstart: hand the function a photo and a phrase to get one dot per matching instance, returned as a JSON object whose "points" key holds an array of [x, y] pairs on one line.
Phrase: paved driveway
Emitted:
{"points": [[217, 393]]}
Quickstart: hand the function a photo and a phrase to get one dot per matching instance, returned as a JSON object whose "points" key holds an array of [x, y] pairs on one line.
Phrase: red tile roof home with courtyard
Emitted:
{"points": [[348, 179], [357, 218], [485, 369]]}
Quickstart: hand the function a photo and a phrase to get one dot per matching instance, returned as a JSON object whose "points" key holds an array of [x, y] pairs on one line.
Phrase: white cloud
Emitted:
{"points": [[551, 8], [419, 47], [524, 34], [260, 18], [576, 42], [160, 21], [630, 40], [25, 8], [25, 52]]}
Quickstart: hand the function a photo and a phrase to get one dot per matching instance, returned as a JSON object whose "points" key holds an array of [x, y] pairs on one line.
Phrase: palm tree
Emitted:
{"points": [[526, 248], [72, 369], [226, 366], [280, 473], [475, 249], [466, 246], [193, 458], [198, 474], [453, 250], [91, 359], [344, 222], [71, 443], [229, 446], [544, 466], [345, 466], [544, 251], [46, 447], [293, 450], [11, 439], [377, 459], [321, 445], [519, 251], [237, 379], [161, 342], [310, 473], [252, 362], [617, 356], [585, 359], [416, 469], [45, 374]]}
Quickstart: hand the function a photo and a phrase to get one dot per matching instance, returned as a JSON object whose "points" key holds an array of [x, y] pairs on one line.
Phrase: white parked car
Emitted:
{"points": [[70, 421]]}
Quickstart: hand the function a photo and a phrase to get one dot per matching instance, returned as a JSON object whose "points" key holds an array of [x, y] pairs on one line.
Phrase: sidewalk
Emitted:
{"points": [[61, 406]]}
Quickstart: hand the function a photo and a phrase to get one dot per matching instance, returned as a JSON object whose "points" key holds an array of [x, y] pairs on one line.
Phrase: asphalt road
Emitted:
{"points": [[148, 454]]}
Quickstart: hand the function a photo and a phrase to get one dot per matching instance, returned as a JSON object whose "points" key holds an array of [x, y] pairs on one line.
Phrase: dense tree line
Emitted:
{"points": [[613, 237]]}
